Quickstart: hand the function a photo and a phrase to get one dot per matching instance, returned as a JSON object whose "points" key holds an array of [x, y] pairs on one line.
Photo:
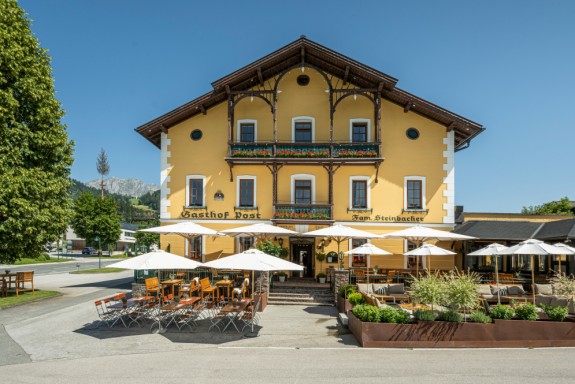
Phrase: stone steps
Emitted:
{"points": [[311, 296]]}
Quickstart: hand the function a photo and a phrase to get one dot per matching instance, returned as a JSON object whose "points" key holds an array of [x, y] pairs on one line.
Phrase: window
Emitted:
{"points": [[358, 260], [246, 192], [411, 261], [303, 129], [302, 189], [195, 248], [195, 196], [245, 243], [359, 130], [247, 131], [359, 192], [302, 192], [414, 193]]}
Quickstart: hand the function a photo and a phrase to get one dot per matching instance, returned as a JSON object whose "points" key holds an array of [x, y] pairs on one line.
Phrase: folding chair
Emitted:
{"points": [[115, 311], [251, 317], [103, 313]]}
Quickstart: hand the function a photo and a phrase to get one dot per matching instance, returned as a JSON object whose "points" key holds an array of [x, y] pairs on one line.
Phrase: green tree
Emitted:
{"points": [[561, 207], [147, 238], [96, 218], [35, 153], [103, 167]]}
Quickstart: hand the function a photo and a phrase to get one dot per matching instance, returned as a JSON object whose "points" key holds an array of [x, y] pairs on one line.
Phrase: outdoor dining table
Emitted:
{"points": [[225, 284], [174, 309], [171, 283], [232, 310]]}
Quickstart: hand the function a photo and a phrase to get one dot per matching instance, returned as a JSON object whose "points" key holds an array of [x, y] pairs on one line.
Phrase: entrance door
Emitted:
{"points": [[302, 254]]}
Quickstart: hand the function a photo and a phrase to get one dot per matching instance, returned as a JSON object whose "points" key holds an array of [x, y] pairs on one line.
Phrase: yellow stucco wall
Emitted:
{"points": [[403, 157]]}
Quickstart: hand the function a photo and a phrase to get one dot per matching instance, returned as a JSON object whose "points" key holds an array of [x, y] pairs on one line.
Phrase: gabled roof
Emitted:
{"points": [[306, 51], [498, 229], [560, 230]]}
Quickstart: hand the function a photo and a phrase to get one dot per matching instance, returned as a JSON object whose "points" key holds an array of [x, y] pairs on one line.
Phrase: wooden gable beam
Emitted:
{"points": [[302, 56], [346, 74], [203, 109], [260, 76], [451, 126], [228, 90], [380, 88], [163, 128], [408, 106]]}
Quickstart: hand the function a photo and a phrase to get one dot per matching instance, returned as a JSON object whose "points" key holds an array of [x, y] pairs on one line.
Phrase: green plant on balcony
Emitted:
{"points": [[303, 152], [281, 214], [251, 153], [357, 153]]}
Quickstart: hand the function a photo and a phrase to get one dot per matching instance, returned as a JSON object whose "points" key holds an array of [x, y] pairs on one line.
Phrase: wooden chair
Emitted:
{"points": [[4, 287], [359, 276], [153, 286], [207, 288], [21, 279], [191, 288]]}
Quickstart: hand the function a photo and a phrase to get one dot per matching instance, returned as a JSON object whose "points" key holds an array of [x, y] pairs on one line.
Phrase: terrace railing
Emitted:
{"points": [[302, 211], [304, 150]]}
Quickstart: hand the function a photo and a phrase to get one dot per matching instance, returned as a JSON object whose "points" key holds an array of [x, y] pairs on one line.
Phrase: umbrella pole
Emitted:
{"points": [[497, 280], [367, 273], [252, 333], [533, 277]]}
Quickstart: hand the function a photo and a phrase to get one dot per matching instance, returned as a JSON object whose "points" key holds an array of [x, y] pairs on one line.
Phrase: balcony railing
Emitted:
{"points": [[304, 150], [302, 211]]}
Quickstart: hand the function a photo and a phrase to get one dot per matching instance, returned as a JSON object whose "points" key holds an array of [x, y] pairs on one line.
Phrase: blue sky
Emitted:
{"points": [[509, 65]]}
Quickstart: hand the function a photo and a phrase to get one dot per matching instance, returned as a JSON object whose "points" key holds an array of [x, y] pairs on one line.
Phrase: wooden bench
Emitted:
{"points": [[21, 279]]}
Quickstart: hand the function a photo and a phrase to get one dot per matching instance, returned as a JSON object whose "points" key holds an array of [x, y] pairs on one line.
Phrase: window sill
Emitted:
{"points": [[416, 210], [202, 207], [246, 208], [370, 210]]}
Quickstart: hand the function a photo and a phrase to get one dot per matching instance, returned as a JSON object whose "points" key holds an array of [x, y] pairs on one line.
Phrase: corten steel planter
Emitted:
{"points": [[441, 334], [343, 305]]}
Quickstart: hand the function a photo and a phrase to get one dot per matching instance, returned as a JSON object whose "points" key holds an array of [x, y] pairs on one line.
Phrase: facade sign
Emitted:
{"points": [[388, 219], [213, 215]]}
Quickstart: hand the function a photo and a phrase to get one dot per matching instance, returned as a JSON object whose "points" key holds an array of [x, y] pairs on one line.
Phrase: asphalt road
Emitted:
{"points": [[76, 262], [53, 341]]}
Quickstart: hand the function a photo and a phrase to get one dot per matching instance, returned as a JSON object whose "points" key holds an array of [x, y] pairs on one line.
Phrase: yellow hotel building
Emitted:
{"points": [[304, 138]]}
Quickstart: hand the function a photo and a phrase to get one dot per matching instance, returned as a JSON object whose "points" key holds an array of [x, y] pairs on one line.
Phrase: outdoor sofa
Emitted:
{"points": [[545, 295]]}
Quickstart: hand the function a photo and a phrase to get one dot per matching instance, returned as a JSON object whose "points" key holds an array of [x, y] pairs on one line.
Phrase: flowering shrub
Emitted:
{"points": [[251, 153], [302, 153], [357, 153]]}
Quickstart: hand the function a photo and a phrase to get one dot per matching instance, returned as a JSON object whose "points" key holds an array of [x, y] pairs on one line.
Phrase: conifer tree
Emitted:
{"points": [[35, 153]]}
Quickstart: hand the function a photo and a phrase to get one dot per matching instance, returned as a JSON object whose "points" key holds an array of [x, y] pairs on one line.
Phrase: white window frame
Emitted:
{"points": [[246, 177], [203, 251], [423, 193], [188, 178], [350, 256], [302, 176], [423, 259], [303, 119], [237, 242], [351, 121], [368, 192], [246, 121]]}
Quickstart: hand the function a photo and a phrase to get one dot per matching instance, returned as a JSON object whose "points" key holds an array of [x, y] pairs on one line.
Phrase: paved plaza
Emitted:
{"points": [[54, 341]]}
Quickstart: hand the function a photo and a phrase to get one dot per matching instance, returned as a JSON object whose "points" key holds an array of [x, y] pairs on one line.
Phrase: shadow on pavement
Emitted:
{"points": [[124, 283]]}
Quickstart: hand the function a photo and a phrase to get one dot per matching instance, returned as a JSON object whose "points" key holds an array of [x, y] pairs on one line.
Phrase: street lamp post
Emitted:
{"points": [[99, 253]]}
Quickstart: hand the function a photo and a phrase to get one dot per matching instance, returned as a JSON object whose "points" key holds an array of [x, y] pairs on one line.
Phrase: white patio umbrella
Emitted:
{"points": [[340, 233], [491, 250], [186, 229], [569, 251], [157, 260], [253, 260], [419, 234], [428, 250], [367, 249], [260, 231], [533, 247]]}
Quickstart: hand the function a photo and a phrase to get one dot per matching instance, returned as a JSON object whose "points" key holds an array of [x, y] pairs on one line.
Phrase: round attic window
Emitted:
{"points": [[412, 133], [303, 80], [196, 134]]}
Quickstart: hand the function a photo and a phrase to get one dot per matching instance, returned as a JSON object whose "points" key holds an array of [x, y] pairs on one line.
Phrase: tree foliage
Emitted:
{"points": [[35, 153], [103, 168], [148, 238], [561, 207], [96, 218]]}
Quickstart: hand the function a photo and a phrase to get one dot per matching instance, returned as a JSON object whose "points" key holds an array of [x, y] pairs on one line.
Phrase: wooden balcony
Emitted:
{"points": [[303, 152], [302, 212]]}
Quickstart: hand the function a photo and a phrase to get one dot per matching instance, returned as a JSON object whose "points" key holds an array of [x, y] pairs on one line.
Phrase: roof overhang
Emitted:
{"points": [[309, 53]]}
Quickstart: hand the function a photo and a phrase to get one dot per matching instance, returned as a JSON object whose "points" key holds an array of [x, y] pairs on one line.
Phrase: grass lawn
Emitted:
{"points": [[119, 256], [25, 297], [98, 270], [53, 259]]}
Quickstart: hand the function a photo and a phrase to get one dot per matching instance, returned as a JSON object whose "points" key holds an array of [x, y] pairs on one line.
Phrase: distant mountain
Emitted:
{"points": [[126, 187]]}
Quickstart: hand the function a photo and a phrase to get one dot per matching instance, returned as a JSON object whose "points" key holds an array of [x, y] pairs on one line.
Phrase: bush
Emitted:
{"points": [[556, 313], [429, 289], [526, 311], [402, 317], [563, 285], [424, 315], [355, 298], [479, 317], [345, 290], [388, 315], [503, 312], [450, 316], [366, 312], [461, 292]]}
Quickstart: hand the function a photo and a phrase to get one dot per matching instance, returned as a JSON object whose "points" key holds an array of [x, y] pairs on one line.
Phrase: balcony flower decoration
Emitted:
{"points": [[357, 153], [251, 153], [303, 152], [286, 214]]}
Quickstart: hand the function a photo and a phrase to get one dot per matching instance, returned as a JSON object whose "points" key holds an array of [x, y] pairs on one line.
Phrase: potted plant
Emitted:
{"points": [[320, 256], [321, 277], [282, 276]]}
